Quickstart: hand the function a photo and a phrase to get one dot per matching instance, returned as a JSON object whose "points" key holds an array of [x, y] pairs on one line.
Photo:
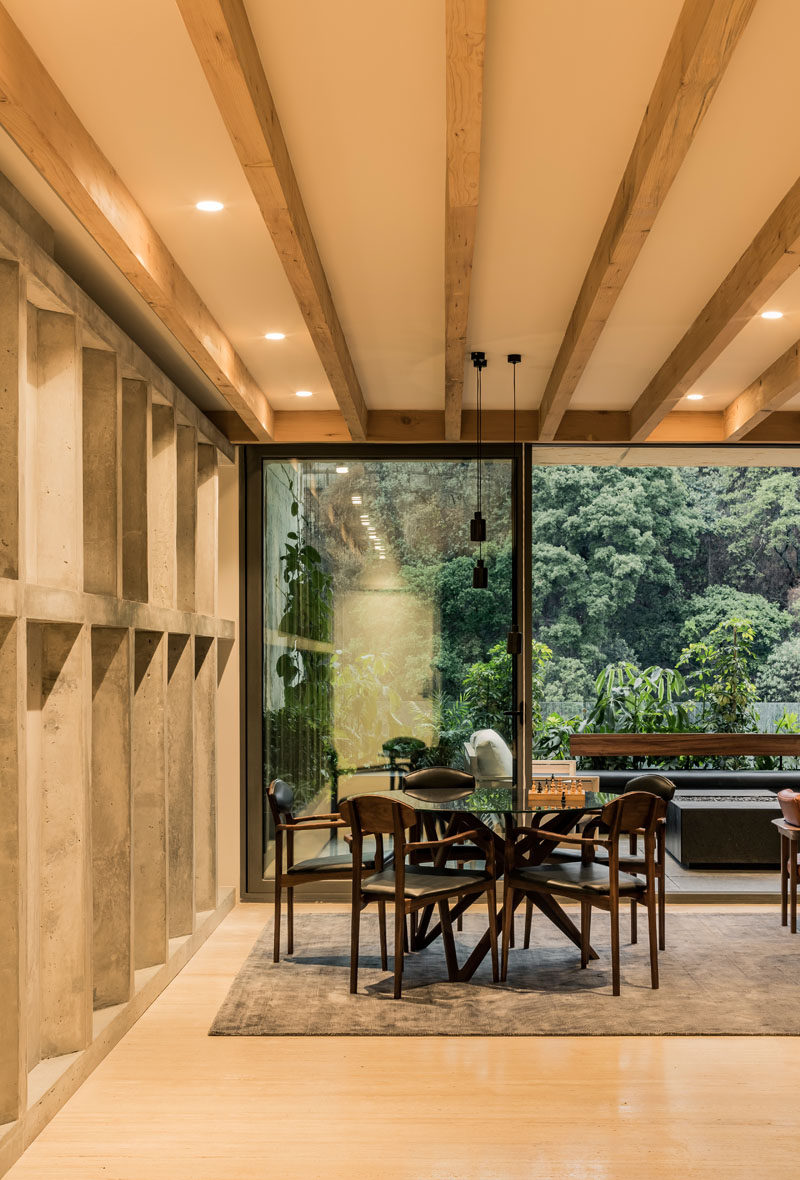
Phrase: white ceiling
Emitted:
{"points": [[359, 89]]}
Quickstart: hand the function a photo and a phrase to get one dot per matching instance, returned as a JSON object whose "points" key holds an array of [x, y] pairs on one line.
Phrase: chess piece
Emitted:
{"points": [[564, 798]]}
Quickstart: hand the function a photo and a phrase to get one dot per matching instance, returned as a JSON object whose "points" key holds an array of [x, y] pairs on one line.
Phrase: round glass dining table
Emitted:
{"points": [[500, 811]]}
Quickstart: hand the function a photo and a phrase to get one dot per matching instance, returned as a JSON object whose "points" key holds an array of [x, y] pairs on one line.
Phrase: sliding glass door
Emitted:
{"points": [[369, 651]]}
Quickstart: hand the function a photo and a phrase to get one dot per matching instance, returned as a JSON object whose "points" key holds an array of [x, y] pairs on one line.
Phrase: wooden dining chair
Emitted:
{"points": [[336, 867], [442, 784], [412, 886], [593, 884], [632, 861]]}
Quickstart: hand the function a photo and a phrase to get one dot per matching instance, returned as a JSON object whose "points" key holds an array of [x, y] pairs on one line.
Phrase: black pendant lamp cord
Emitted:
{"points": [[480, 458]]}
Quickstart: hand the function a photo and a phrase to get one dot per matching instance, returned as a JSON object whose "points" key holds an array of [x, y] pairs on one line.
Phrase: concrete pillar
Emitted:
{"points": [[10, 882], [186, 457], [11, 361], [180, 801], [205, 773], [112, 966], [148, 783], [134, 490], [101, 423], [162, 507], [207, 511], [54, 440], [57, 774]]}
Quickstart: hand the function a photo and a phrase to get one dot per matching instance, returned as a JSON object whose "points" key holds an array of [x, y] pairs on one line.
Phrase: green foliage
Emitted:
{"points": [[488, 689], [630, 700], [771, 624], [719, 677], [778, 678], [567, 679], [552, 740], [759, 523]]}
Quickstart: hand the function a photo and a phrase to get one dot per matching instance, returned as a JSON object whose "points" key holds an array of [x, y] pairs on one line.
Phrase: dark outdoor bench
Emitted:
{"points": [[718, 818]]}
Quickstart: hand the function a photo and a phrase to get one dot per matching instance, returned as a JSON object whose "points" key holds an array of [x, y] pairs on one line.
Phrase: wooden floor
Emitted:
{"points": [[171, 1102]]}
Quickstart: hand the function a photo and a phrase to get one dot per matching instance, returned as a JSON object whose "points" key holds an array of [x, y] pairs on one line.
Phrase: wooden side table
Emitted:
{"points": [[790, 843]]}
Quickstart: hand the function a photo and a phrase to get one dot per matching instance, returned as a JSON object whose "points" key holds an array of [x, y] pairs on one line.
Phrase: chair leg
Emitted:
{"points": [[290, 921], [447, 939], [586, 930], [634, 932], [662, 910], [459, 919], [785, 846], [491, 898], [615, 946], [382, 928], [276, 946], [508, 918], [355, 930], [399, 942], [792, 889], [412, 922], [653, 933], [528, 922]]}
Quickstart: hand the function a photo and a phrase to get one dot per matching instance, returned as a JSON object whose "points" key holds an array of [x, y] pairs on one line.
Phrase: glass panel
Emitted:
{"points": [[665, 598], [379, 655]]}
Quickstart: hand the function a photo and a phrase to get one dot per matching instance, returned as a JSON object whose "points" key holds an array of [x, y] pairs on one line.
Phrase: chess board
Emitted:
{"points": [[560, 791]]}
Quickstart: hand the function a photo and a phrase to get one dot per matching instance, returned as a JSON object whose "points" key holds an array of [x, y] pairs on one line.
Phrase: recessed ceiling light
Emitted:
{"points": [[772, 315], [342, 470], [694, 397], [304, 393], [209, 206], [274, 335]]}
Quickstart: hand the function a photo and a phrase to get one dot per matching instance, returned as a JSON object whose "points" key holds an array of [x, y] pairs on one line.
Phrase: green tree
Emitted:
{"points": [[719, 677], [488, 689], [771, 624], [614, 552], [760, 524], [778, 678]]}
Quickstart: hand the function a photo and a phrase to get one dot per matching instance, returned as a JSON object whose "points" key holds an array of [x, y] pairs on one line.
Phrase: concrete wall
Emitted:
{"points": [[118, 684]]}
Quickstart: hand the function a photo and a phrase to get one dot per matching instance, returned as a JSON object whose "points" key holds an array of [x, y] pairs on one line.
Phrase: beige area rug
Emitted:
{"points": [[721, 974]]}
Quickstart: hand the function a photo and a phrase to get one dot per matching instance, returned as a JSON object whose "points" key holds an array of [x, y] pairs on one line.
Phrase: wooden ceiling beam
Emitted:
{"points": [[577, 426], [770, 259], [224, 43], [39, 119], [465, 37], [705, 37], [777, 385]]}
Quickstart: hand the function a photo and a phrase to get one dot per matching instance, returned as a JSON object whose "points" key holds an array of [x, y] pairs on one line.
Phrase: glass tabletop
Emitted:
{"points": [[501, 800]]}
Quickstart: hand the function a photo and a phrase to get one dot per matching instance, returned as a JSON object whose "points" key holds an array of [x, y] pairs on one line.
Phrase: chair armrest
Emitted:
{"points": [[458, 838], [305, 819], [558, 838], [307, 827]]}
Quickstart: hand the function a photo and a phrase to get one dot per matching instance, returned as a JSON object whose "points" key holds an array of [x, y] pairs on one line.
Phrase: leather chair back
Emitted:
{"points": [[280, 797], [653, 784], [442, 782], [790, 806]]}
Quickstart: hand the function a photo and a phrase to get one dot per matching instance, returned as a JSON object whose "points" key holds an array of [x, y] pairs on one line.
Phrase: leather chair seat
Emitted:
{"points": [[327, 864], [424, 881], [575, 880]]}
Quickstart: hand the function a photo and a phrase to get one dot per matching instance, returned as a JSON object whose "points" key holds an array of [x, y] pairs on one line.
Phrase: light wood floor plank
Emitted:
{"points": [[169, 1101]]}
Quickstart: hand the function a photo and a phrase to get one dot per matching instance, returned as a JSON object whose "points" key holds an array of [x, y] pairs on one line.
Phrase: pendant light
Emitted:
{"points": [[477, 526], [514, 640]]}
